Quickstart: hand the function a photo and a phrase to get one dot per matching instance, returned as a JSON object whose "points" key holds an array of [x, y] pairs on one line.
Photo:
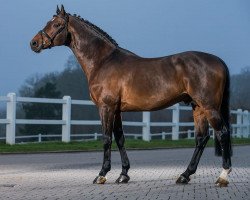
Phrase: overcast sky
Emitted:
{"points": [[148, 28]]}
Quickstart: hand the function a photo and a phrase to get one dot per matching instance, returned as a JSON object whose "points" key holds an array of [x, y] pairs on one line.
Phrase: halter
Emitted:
{"points": [[51, 38]]}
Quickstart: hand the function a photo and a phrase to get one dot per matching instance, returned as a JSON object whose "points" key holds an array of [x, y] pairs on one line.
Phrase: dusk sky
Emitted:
{"points": [[148, 28]]}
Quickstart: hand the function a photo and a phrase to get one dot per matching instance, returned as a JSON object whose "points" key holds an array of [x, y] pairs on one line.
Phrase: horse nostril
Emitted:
{"points": [[34, 43]]}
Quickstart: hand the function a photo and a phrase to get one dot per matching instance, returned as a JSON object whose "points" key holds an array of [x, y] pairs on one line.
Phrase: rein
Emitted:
{"points": [[51, 38]]}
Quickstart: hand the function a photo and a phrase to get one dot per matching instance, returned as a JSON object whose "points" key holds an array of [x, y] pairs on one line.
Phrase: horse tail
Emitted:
{"points": [[225, 113]]}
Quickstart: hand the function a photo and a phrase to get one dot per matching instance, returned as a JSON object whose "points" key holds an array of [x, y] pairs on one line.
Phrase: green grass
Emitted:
{"points": [[97, 145]]}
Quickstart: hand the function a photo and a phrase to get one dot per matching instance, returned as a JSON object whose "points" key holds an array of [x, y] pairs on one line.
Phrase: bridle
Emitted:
{"points": [[51, 38]]}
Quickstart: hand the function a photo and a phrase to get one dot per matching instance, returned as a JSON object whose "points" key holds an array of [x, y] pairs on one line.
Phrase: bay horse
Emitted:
{"points": [[121, 81]]}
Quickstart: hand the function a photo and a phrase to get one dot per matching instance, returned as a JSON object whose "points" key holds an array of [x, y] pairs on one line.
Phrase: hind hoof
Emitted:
{"points": [[221, 182], [122, 179], [182, 180], [100, 180]]}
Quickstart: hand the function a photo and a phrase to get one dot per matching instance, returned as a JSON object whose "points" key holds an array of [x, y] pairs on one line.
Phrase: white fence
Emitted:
{"points": [[240, 128]]}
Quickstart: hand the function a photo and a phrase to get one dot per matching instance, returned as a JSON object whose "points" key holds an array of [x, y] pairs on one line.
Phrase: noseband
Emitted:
{"points": [[51, 38]]}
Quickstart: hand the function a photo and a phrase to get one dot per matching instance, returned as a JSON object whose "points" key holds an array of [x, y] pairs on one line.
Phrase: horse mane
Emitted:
{"points": [[97, 29]]}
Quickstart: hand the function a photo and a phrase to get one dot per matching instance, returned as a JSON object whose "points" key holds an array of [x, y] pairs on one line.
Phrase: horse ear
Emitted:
{"points": [[62, 10], [57, 10]]}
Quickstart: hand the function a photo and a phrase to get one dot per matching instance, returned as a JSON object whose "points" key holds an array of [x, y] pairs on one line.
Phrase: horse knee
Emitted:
{"points": [[119, 139], [107, 142], [202, 141]]}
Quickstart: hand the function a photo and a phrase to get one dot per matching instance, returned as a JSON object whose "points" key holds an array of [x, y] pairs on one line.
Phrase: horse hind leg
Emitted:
{"points": [[201, 139], [223, 135]]}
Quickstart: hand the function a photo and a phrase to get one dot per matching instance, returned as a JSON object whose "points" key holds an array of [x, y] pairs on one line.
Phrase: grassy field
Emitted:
{"points": [[97, 145]]}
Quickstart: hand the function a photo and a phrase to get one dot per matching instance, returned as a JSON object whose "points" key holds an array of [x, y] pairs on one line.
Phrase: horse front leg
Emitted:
{"points": [[120, 140], [107, 119]]}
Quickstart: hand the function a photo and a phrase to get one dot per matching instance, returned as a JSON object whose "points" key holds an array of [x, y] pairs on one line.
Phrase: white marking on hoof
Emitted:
{"points": [[224, 173], [101, 180], [222, 181]]}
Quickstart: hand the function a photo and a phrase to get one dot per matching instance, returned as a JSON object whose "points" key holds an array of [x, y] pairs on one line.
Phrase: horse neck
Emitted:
{"points": [[89, 48]]}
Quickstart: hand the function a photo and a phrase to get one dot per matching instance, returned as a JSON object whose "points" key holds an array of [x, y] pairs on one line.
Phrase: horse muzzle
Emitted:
{"points": [[35, 46]]}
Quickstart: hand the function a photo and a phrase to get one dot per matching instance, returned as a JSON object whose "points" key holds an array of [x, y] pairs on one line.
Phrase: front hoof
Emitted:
{"points": [[182, 180], [100, 180], [122, 179], [221, 182]]}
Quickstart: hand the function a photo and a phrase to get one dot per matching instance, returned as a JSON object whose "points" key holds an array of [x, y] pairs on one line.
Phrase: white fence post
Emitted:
{"points": [[95, 136], [189, 133], [245, 124], [239, 123], [11, 116], [66, 116], [176, 120], [39, 137], [163, 135], [146, 129], [213, 133]]}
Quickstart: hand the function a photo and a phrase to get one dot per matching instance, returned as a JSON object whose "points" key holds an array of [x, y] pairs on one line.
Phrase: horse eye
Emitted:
{"points": [[56, 25]]}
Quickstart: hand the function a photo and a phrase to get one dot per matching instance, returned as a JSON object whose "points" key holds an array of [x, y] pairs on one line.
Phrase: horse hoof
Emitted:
{"points": [[182, 180], [221, 182], [122, 179], [100, 180]]}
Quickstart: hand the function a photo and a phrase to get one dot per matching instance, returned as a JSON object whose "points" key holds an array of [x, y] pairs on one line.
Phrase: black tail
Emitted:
{"points": [[225, 113]]}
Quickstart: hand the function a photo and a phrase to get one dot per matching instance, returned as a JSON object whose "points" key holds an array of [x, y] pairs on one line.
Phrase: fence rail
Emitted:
{"points": [[240, 128]]}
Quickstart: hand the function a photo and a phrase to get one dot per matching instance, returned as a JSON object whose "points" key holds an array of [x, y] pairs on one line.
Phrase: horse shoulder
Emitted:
{"points": [[104, 87]]}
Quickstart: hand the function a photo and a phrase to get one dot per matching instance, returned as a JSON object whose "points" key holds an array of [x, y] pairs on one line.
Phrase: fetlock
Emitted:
{"points": [[188, 173]]}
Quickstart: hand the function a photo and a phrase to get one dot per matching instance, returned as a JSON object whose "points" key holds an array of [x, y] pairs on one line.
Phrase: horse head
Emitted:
{"points": [[55, 33]]}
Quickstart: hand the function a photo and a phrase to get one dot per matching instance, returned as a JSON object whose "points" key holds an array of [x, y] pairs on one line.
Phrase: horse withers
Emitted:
{"points": [[121, 81]]}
